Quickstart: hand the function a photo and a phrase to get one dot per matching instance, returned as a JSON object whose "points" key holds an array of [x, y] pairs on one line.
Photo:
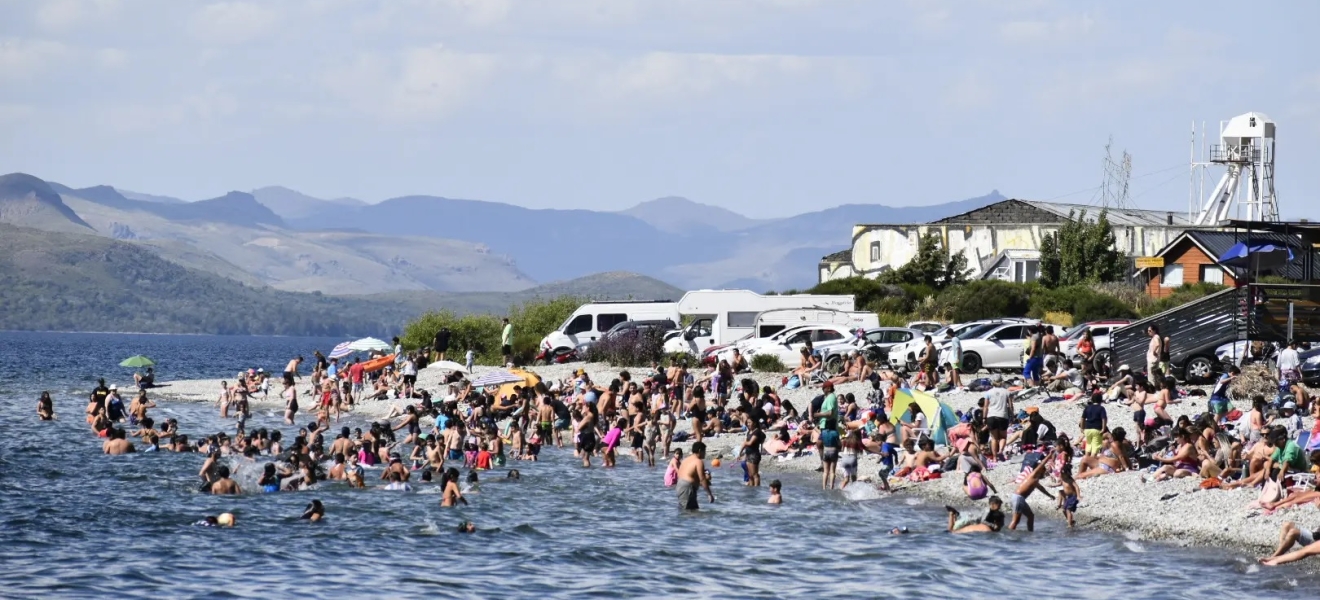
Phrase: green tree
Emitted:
{"points": [[1081, 252]]}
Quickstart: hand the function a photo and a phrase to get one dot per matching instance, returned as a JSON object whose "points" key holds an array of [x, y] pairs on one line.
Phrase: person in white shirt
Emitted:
{"points": [[953, 359], [1290, 363]]}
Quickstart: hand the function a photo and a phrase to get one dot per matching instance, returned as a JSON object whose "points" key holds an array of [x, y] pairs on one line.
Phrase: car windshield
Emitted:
{"points": [[975, 331], [1076, 330]]}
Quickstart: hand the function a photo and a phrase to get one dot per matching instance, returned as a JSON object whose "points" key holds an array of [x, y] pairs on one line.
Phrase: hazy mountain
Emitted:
{"points": [[292, 204], [673, 214], [27, 201], [547, 244], [238, 208], [333, 262], [77, 282], [834, 225], [149, 197]]}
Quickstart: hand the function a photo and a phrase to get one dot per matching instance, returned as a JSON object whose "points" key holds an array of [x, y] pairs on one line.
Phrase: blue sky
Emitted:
{"points": [[767, 107]]}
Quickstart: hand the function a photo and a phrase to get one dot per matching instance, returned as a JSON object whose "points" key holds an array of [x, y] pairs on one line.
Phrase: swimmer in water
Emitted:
{"points": [[224, 485], [776, 495], [314, 512], [451, 495], [514, 475], [221, 520], [45, 407], [467, 527], [117, 443]]}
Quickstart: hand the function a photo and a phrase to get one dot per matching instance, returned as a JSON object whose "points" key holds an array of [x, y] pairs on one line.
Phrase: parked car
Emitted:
{"points": [[1311, 366], [925, 326], [789, 347], [1099, 334], [877, 340], [627, 327], [997, 346], [904, 356]]}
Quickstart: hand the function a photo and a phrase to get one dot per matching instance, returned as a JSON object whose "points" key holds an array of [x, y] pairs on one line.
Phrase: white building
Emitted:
{"points": [[1001, 241]]}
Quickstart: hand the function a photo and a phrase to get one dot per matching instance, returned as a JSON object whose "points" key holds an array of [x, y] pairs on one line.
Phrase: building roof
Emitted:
{"points": [[1010, 254], [1032, 211], [842, 255], [1216, 243]]}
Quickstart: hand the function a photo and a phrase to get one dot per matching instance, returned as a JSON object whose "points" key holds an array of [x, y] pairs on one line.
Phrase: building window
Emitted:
{"points": [[1173, 276], [875, 251], [1212, 274]]}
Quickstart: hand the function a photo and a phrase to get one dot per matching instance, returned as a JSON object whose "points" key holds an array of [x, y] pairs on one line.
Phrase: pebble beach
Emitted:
{"points": [[1132, 503]]}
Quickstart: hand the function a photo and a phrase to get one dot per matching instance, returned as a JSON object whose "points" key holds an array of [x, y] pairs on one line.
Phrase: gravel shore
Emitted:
{"points": [[1176, 511]]}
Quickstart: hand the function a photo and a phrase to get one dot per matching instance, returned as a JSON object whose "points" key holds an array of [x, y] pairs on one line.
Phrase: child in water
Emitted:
{"points": [[1069, 493], [776, 495]]}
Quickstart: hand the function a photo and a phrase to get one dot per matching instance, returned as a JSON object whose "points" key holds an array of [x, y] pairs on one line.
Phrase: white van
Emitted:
{"points": [[720, 317], [593, 319]]}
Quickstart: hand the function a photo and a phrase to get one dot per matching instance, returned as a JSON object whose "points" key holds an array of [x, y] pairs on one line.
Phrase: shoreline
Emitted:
{"points": [[1176, 511]]}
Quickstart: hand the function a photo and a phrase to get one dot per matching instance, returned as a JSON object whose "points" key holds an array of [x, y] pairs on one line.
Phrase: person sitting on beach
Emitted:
{"points": [[1297, 498], [1114, 456], [1183, 462], [1289, 535], [145, 381]]}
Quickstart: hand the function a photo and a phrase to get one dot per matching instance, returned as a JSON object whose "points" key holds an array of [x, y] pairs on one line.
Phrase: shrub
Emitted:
{"points": [[638, 348], [767, 363], [985, 300], [531, 322], [1181, 296], [1058, 318], [1096, 307], [890, 304], [863, 290], [894, 320], [1081, 302]]}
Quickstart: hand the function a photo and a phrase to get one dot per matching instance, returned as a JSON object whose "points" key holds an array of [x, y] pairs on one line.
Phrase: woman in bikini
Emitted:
{"points": [[1184, 462], [1114, 457]]}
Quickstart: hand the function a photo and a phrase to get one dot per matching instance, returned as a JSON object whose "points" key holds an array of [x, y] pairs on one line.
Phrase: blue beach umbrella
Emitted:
{"points": [[1257, 256]]}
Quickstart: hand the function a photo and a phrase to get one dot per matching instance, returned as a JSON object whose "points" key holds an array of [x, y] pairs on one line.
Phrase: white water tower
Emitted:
{"points": [[1246, 150]]}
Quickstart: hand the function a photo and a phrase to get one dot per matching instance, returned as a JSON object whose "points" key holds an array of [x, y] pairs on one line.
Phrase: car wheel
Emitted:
{"points": [[540, 362], [1101, 360], [971, 363], [1199, 370], [912, 365], [834, 364]]}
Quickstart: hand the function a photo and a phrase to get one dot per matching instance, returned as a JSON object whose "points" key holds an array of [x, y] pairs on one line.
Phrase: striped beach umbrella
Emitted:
{"points": [[342, 350], [497, 377]]}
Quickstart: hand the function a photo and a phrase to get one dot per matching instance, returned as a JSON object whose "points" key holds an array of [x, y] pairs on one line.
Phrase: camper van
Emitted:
{"points": [[590, 321], [719, 317], [773, 322]]}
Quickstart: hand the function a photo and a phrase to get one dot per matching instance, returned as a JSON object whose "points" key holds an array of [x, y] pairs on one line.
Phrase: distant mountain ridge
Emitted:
{"points": [[234, 207], [673, 214], [28, 201]]}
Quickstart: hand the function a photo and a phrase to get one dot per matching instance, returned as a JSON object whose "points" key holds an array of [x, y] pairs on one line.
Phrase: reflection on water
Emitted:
{"points": [[75, 522]]}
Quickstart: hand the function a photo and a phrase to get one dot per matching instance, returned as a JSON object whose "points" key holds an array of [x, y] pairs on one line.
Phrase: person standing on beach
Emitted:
{"points": [[290, 401], [441, 343], [830, 442], [1094, 423], [1153, 351], [355, 374], [291, 371], [1031, 370], [692, 474], [999, 411], [1024, 490], [506, 342], [751, 450], [953, 360]]}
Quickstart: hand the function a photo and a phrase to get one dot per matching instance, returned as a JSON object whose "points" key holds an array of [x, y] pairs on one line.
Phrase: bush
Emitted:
{"points": [[894, 320], [1081, 302], [531, 322], [767, 363], [638, 348], [984, 300], [890, 304], [1181, 296]]}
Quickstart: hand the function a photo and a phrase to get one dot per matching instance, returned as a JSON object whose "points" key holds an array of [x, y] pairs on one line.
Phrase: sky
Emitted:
{"points": [[766, 107]]}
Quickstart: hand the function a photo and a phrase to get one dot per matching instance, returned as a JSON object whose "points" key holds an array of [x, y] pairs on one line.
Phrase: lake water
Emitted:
{"points": [[74, 522]]}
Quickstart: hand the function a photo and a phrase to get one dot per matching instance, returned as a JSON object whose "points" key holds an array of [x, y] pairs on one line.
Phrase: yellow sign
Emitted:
{"points": [[1150, 262]]}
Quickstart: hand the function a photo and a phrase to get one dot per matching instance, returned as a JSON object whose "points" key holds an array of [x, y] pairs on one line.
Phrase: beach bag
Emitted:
{"points": [[1210, 483], [1271, 492], [793, 383], [979, 385]]}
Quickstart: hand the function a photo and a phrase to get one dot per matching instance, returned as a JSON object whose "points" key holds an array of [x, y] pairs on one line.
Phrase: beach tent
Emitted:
{"points": [[938, 414], [529, 379]]}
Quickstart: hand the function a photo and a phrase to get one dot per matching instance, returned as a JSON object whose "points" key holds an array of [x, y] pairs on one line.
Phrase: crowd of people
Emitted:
{"points": [[479, 430]]}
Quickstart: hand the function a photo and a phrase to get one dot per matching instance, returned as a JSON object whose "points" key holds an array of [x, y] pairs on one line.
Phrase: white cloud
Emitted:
{"points": [[233, 22], [111, 58], [23, 57], [1063, 29], [419, 84], [61, 15]]}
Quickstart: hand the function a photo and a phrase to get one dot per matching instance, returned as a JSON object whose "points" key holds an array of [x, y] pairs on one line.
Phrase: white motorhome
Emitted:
{"points": [[720, 317], [593, 319], [772, 322]]}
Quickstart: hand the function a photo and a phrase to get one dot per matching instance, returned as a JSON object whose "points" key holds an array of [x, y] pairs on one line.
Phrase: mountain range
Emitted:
{"points": [[278, 237]]}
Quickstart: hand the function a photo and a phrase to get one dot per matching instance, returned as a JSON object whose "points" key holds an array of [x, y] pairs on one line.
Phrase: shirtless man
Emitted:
{"points": [[691, 475], [396, 468], [137, 410], [545, 421], [291, 371], [118, 443], [1029, 485], [224, 485]]}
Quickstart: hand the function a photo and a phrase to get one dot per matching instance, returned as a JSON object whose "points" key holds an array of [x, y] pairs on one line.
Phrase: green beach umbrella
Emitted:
{"points": [[137, 362]]}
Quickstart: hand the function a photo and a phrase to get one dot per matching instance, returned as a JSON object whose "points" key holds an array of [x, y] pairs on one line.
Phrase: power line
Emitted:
{"points": [[1098, 187]]}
